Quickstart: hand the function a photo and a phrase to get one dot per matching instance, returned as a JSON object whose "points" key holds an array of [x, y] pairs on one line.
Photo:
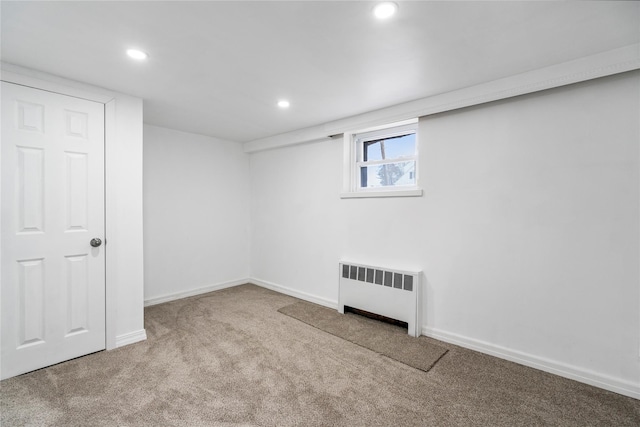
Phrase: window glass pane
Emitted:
{"points": [[399, 173], [389, 148]]}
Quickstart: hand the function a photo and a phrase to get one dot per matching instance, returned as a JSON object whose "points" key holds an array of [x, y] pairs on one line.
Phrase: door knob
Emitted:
{"points": [[95, 242]]}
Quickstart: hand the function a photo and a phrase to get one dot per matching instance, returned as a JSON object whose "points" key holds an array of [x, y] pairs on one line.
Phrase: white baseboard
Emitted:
{"points": [[625, 388], [131, 337], [192, 292], [294, 293]]}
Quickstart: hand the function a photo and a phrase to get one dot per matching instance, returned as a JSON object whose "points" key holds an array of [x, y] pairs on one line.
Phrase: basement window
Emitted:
{"points": [[382, 162]]}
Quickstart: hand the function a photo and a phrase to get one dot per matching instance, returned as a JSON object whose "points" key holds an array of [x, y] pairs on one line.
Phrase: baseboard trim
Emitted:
{"points": [[206, 289], [131, 337], [625, 388], [294, 293]]}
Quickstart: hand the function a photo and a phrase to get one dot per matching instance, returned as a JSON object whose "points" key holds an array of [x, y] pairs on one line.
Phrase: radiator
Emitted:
{"points": [[383, 291]]}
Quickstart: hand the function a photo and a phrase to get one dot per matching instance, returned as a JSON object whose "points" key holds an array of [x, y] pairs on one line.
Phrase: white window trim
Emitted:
{"points": [[352, 148]]}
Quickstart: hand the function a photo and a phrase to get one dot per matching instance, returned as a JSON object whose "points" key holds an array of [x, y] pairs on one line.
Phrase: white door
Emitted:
{"points": [[53, 279]]}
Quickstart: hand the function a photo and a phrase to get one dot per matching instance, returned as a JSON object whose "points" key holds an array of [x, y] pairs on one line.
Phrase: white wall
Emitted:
{"points": [[125, 274], [298, 223], [527, 231], [196, 214]]}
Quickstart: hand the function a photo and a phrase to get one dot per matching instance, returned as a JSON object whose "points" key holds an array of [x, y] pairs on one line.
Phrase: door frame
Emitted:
{"points": [[124, 281]]}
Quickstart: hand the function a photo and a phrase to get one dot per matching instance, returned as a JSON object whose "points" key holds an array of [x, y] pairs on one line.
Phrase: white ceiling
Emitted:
{"points": [[218, 68]]}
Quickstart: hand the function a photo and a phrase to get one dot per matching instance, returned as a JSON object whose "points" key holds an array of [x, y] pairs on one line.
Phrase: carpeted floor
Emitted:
{"points": [[230, 358]]}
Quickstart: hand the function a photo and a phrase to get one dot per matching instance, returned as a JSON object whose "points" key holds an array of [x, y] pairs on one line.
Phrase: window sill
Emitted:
{"points": [[416, 192]]}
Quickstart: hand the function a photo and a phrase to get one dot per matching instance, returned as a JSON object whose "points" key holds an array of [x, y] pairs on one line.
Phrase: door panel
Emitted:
{"points": [[31, 302], [30, 190], [52, 281]]}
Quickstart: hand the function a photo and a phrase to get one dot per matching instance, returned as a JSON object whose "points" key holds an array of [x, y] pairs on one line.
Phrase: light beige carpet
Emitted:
{"points": [[229, 358], [388, 340]]}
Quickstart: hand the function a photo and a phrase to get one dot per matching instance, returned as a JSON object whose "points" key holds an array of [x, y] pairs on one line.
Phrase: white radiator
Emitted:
{"points": [[390, 293]]}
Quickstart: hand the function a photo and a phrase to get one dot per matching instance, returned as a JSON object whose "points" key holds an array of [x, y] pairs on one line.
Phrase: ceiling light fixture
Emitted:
{"points": [[137, 54], [385, 10], [283, 103]]}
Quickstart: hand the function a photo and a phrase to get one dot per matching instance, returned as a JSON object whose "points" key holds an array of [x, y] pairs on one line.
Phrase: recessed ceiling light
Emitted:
{"points": [[283, 103], [137, 54], [385, 10]]}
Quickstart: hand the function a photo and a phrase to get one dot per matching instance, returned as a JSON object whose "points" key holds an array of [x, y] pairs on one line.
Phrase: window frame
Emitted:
{"points": [[360, 139], [354, 143]]}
